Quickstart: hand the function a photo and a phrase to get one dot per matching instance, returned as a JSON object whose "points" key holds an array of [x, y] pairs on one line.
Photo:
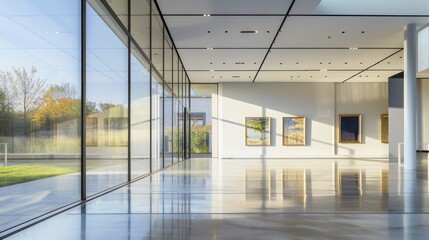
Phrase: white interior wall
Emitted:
{"points": [[423, 113], [315, 101], [370, 100]]}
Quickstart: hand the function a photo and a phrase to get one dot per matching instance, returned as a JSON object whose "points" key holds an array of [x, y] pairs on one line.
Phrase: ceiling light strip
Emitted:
{"points": [[275, 37], [372, 65]]}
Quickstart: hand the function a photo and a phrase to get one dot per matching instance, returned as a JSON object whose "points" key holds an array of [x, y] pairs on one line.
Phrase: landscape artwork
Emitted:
{"points": [[350, 128], [293, 131], [258, 131], [384, 128]]}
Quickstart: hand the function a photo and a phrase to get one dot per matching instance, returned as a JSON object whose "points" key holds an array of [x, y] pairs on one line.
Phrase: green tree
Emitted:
{"points": [[60, 103], [259, 125]]}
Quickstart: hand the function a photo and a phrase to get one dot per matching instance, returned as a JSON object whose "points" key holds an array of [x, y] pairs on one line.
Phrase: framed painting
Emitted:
{"points": [[350, 129], [294, 131], [384, 128], [258, 132]]}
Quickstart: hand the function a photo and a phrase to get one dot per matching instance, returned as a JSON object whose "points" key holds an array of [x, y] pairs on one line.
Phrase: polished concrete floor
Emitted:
{"points": [[256, 199]]}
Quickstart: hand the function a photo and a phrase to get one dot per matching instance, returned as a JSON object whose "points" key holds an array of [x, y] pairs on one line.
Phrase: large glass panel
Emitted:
{"points": [[120, 7], [168, 102], [107, 99], [201, 118], [157, 40], [140, 115], [168, 130], [180, 135], [140, 24], [156, 121], [39, 107], [168, 62], [175, 129], [175, 73]]}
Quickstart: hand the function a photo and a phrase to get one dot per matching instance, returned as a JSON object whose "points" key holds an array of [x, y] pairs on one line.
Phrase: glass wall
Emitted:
{"points": [[127, 75], [106, 100], [140, 115], [40, 108], [201, 118]]}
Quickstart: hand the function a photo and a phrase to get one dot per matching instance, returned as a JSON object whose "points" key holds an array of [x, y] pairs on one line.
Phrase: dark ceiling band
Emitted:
{"points": [[274, 40]]}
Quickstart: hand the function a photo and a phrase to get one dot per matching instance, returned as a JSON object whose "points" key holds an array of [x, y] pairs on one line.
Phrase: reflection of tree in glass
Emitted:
{"points": [[24, 91], [259, 125], [25, 88], [60, 103]]}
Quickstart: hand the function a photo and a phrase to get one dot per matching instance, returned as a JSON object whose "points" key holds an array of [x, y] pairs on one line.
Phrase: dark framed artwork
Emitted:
{"points": [[294, 131], [350, 128], [384, 128], [258, 132]]}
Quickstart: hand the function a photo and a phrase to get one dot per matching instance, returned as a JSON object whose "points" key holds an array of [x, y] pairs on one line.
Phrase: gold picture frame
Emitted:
{"points": [[350, 128], [384, 128], [293, 131], [257, 131]]}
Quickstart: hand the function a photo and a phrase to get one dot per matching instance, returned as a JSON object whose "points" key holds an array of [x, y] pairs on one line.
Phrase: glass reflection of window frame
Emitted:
{"points": [[117, 136], [91, 131]]}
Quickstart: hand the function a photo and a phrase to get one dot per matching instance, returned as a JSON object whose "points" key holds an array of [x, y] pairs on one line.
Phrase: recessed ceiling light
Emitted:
{"points": [[249, 31], [254, 63], [226, 31], [209, 48], [343, 32], [211, 63], [268, 31], [362, 32], [329, 62], [206, 15], [378, 75], [281, 63], [360, 62], [223, 63], [57, 32], [212, 76], [209, 31], [297, 62], [326, 76], [321, 63], [345, 63]]}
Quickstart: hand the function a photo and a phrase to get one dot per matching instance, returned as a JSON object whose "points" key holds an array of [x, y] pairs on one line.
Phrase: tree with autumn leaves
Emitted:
{"points": [[60, 103]]}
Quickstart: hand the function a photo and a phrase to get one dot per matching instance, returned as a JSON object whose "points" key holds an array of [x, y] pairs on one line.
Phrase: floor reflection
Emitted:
{"points": [[256, 199]]}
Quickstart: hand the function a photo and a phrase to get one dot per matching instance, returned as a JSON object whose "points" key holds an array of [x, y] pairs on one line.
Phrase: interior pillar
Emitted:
{"points": [[410, 70]]}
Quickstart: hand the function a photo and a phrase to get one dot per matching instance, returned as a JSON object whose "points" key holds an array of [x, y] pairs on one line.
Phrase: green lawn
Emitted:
{"points": [[10, 175]]}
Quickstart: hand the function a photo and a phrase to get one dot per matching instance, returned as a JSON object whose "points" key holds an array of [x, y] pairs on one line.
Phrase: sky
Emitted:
{"points": [[46, 34]]}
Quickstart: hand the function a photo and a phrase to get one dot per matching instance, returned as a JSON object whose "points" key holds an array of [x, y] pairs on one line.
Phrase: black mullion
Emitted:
{"points": [[150, 87], [274, 39], [163, 96], [83, 102], [129, 91], [172, 105]]}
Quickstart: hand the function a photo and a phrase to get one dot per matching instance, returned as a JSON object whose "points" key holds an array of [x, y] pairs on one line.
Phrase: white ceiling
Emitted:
{"points": [[317, 34]]}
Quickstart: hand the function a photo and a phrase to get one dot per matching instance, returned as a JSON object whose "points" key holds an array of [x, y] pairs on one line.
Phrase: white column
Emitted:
{"points": [[410, 70]]}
